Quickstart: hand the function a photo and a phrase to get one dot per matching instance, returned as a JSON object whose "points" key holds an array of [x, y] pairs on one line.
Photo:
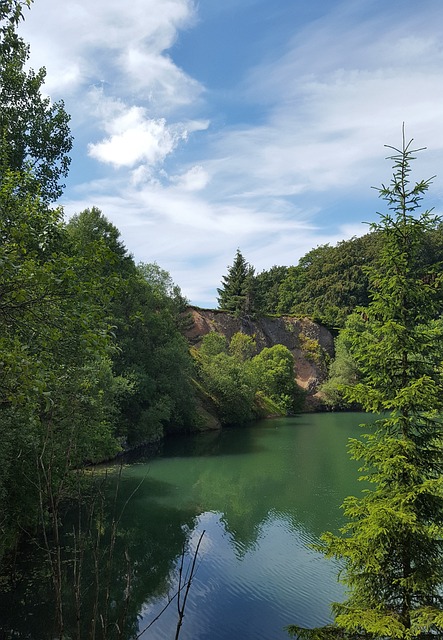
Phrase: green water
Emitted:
{"points": [[262, 494]]}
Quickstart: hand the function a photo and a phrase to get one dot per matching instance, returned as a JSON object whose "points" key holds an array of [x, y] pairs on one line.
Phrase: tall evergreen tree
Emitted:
{"points": [[236, 293], [391, 548]]}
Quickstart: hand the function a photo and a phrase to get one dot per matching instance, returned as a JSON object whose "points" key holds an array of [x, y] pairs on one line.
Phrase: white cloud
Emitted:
{"points": [[135, 138], [90, 43], [339, 92], [158, 79], [194, 237], [195, 179], [273, 187]]}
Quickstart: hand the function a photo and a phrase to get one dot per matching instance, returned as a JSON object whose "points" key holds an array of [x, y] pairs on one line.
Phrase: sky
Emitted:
{"points": [[206, 126]]}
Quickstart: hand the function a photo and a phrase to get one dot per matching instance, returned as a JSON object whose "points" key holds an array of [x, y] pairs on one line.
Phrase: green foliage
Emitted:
{"points": [[329, 282], [267, 289], [242, 347], [162, 285], [273, 370], [391, 547], [343, 372], [212, 344], [91, 352], [56, 384], [229, 383], [34, 132], [226, 379], [155, 355], [143, 306], [241, 384], [237, 291], [91, 233]]}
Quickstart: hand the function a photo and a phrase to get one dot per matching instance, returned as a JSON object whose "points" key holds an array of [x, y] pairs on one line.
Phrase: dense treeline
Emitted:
{"points": [[92, 356], [92, 353], [142, 308], [327, 283]]}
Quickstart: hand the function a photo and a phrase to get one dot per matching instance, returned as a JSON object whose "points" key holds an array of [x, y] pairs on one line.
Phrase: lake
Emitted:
{"points": [[262, 494]]}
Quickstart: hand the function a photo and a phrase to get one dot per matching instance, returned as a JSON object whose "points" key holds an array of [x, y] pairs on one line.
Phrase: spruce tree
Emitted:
{"points": [[236, 293], [391, 547]]}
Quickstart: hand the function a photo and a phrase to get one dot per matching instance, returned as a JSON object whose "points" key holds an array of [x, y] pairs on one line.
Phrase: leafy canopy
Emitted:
{"points": [[34, 132], [239, 381]]}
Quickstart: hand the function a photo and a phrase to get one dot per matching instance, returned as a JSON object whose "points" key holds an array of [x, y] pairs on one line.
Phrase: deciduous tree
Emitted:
{"points": [[143, 306], [34, 132], [273, 370], [56, 382]]}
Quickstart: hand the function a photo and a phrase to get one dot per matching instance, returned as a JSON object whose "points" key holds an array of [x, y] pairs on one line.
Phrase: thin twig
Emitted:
{"points": [[185, 586]]}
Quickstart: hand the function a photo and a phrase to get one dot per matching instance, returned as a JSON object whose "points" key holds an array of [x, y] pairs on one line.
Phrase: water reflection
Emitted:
{"points": [[252, 593], [262, 494]]}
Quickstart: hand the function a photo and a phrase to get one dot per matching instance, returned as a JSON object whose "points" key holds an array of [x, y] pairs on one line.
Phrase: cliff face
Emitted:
{"points": [[311, 344]]}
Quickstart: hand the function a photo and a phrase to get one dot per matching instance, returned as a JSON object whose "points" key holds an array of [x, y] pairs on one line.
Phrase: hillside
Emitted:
{"points": [[311, 344]]}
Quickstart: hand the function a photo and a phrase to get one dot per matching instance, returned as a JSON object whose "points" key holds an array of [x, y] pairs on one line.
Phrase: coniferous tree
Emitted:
{"points": [[236, 293], [391, 548]]}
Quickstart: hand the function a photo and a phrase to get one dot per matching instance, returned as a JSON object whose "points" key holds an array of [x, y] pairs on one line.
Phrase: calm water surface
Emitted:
{"points": [[263, 495]]}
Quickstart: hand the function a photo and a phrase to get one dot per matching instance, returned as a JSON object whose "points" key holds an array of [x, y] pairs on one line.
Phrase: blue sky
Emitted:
{"points": [[205, 126]]}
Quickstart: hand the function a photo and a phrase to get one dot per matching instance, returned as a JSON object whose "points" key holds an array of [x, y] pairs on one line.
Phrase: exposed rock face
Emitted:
{"points": [[311, 344]]}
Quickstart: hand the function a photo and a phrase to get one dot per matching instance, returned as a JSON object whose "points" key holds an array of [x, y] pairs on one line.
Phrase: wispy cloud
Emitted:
{"points": [[334, 97], [187, 192], [107, 42]]}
